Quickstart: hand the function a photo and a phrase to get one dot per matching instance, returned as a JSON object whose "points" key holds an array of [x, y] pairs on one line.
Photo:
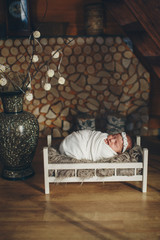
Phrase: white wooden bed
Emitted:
{"points": [[94, 165]]}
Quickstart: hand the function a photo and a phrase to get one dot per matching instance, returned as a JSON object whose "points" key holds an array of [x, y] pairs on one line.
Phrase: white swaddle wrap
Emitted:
{"points": [[86, 144]]}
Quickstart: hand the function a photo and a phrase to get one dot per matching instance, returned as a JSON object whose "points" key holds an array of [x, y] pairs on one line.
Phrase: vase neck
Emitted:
{"points": [[12, 102]]}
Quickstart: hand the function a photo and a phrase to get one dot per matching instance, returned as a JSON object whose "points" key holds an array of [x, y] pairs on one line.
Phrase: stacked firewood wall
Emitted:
{"points": [[102, 76]]}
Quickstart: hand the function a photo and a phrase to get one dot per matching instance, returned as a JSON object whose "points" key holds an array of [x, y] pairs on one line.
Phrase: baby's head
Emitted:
{"points": [[119, 142]]}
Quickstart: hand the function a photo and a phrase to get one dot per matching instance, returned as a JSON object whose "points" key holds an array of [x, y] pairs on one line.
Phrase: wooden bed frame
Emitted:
{"points": [[76, 166]]}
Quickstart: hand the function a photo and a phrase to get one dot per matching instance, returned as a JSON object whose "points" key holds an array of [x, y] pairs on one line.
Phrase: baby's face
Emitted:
{"points": [[115, 142]]}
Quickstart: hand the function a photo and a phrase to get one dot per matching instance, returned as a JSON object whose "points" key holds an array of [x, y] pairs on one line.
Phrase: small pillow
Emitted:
{"points": [[85, 121], [115, 124]]}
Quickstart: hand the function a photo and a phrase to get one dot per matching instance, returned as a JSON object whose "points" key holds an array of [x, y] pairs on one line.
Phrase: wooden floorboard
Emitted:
{"points": [[89, 211]]}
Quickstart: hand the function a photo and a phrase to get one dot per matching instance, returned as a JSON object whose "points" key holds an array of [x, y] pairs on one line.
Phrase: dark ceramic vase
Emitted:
{"points": [[19, 132]]}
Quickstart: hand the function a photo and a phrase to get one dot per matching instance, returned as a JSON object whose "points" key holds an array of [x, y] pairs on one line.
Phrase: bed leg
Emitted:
{"points": [[145, 170], [45, 164]]}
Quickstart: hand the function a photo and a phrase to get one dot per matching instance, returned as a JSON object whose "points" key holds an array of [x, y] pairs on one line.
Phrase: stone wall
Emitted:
{"points": [[102, 74]]}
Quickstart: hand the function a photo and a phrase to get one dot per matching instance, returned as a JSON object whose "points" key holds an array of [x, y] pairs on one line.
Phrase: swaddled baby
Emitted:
{"points": [[94, 145]]}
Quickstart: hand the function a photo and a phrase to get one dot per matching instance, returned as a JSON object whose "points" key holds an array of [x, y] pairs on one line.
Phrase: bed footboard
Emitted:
{"points": [[94, 166]]}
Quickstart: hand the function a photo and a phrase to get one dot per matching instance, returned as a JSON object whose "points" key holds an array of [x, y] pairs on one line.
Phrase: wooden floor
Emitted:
{"points": [[91, 211]]}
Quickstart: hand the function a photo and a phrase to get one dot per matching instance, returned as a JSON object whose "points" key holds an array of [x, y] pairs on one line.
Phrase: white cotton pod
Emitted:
{"points": [[36, 34], [50, 73], [47, 86], [55, 54], [2, 68], [3, 81], [35, 58], [29, 86], [61, 80], [29, 96]]}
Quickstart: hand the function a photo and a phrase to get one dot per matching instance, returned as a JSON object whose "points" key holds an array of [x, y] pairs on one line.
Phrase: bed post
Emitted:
{"points": [[145, 170], [138, 140], [49, 140], [45, 163]]}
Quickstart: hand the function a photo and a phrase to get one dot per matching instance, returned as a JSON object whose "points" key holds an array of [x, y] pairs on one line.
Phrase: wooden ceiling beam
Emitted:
{"points": [[133, 27], [148, 14], [120, 12], [156, 69], [144, 44], [130, 16]]}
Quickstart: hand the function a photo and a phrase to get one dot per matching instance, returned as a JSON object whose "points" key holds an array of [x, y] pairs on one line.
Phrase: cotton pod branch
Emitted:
{"points": [[22, 80]]}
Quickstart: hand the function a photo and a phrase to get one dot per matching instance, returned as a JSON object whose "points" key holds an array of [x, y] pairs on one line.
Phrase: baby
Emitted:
{"points": [[94, 145]]}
